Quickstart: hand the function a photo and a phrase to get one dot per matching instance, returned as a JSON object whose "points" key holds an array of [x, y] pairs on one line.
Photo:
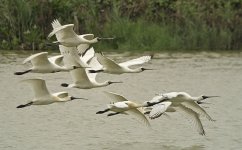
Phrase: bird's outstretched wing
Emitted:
{"points": [[106, 62], [88, 55], [38, 86], [82, 49], [79, 76], [139, 115], [159, 109], [38, 59], [193, 116], [71, 57], [61, 94], [58, 60], [56, 24], [95, 65], [87, 36], [195, 107], [115, 97], [62, 31], [136, 61]]}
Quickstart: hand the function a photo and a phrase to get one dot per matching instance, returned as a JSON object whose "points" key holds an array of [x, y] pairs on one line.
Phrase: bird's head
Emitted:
{"points": [[203, 97]]}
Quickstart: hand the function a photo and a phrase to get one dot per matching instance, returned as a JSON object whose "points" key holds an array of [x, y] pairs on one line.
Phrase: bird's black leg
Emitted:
{"points": [[95, 71], [23, 72], [25, 105], [111, 114], [101, 112]]}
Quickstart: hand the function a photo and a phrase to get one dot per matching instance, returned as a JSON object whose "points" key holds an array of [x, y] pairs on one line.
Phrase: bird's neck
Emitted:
{"points": [[57, 99], [136, 70], [102, 84]]}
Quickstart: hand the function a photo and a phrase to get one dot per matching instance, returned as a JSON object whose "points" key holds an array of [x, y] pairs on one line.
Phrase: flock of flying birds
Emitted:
{"points": [[80, 59]]}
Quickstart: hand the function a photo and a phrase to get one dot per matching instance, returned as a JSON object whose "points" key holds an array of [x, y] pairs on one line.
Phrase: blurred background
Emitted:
{"points": [[138, 25]]}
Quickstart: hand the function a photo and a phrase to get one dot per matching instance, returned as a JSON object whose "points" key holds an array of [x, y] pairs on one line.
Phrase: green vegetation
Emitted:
{"points": [[137, 24]]}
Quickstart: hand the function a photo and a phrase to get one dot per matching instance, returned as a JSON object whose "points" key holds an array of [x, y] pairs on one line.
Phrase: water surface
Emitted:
{"points": [[74, 125]]}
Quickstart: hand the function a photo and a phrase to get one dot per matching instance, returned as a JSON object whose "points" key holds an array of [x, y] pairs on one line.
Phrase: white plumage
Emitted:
{"points": [[66, 36], [42, 96], [110, 66], [81, 77], [124, 106], [42, 64], [181, 102]]}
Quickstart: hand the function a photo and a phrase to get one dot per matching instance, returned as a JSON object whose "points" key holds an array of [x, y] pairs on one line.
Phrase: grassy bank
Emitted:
{"points": [[139, 25]]}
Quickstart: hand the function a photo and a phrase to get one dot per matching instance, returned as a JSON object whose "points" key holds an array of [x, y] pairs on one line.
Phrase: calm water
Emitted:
{"points": [[75, 125]]}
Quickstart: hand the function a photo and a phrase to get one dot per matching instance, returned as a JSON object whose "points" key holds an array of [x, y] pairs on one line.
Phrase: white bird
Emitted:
{"points": [[43, 97], [66, 36], [85, 58], [110, 66], [123, 106], [81, 77], [42, 64], [182, 102]]}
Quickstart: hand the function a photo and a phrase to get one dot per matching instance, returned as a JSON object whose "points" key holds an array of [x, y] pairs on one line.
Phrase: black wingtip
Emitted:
{"points": [[64, 84]]}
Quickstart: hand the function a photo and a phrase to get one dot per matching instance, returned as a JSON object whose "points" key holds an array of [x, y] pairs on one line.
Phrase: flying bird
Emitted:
{"points": [[81, 77], [42, 64], [43, 97], [110, 66], [123, 106], [66, 36]]}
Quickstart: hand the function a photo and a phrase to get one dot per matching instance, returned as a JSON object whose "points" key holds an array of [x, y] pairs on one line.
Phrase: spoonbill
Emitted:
{"points": [[181, 102], [85, 80], [43, 97], [123, 106], [109, 66], [66, 36], [42, 64], [81, 77]]}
